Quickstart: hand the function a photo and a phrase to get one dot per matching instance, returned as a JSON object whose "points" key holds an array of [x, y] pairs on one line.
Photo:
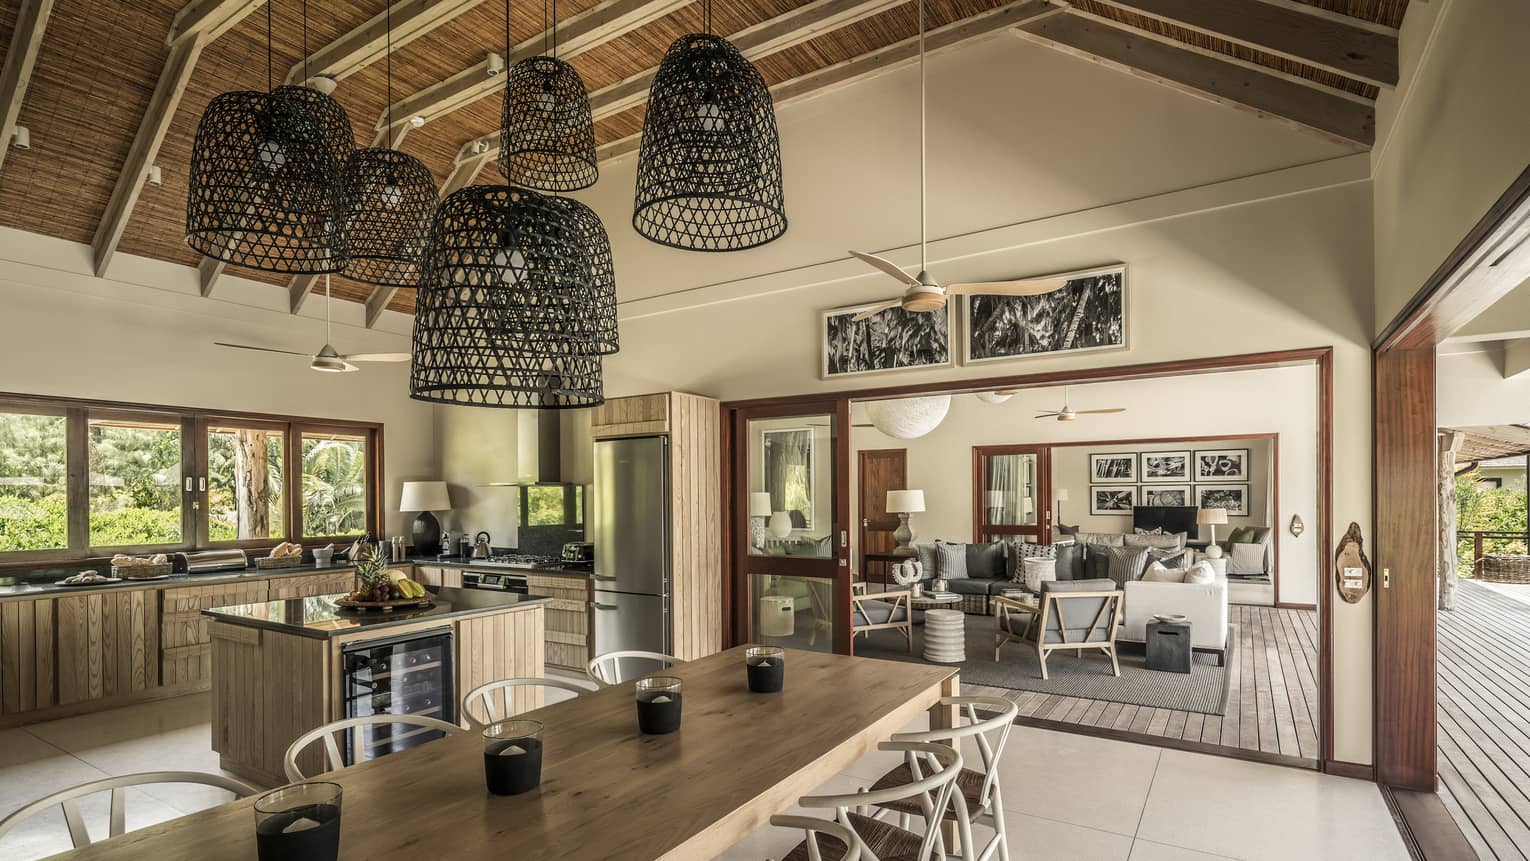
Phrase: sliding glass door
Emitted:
{"points": [[1012, 494]]}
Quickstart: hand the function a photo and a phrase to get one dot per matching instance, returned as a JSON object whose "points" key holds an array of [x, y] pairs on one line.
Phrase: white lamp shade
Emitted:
{"points": [[1060, 494], [905, 501], [1211, 516], [780, 524], [425, 496], [759, 504]]}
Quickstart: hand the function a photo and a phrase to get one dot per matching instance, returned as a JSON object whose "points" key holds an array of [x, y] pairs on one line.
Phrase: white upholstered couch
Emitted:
{"points": [[1204, 605]]}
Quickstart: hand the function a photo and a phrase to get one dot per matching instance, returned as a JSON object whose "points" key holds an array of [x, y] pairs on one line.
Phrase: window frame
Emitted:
{"points": [[194, 424]]}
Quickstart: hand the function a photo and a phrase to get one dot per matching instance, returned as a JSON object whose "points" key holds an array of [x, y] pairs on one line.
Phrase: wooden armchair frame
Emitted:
{"points": [[1109, 616], [900, 599]]}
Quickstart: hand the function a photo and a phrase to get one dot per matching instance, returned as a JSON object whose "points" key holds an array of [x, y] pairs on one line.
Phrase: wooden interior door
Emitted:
{"points": [[880, 470]]}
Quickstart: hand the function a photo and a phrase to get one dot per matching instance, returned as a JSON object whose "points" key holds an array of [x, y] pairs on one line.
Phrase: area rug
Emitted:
{"points": [[1204, 690]]}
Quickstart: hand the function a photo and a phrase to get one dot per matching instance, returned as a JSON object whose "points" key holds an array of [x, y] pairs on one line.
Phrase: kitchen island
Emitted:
{"points": [[281, 668]]}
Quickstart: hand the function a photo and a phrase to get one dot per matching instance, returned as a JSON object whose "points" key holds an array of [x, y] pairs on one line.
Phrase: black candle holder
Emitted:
{"points": [[512, 756], [766, 666], [658, 705]]}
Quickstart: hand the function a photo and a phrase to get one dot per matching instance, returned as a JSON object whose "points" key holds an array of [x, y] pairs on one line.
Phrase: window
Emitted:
{"points": [[135, 482], [244, 483], [81, 479], [34, 513], [552, 505], [334, 484]]}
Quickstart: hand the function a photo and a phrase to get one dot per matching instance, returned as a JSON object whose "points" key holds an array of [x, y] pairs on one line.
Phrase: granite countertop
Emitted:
{"points": [[38, 582], [321, 617], [480, 565]]}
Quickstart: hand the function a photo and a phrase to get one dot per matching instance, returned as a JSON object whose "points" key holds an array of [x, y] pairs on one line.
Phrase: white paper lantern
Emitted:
{"points": [[908, 418], [993, 397]]}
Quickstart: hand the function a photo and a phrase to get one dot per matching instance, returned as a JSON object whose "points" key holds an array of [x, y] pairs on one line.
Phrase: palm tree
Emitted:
{"points": [[334, 487]]}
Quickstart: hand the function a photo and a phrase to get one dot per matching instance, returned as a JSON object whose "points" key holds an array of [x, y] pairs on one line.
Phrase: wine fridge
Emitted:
{"points": [[411, 674]]}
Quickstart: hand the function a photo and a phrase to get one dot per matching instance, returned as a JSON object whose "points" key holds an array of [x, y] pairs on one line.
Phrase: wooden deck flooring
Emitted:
{"points": [[1484, 720], [1272, 695]]}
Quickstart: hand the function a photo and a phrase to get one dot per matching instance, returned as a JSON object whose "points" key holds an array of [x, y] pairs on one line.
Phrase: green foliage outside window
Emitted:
{"points": [[1498, 509]]}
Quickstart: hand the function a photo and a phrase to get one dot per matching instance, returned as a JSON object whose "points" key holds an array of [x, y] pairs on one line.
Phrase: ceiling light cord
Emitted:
{"points": [[388, 25], [305, 41], [706, 7], [923, 180], [269, 4]]}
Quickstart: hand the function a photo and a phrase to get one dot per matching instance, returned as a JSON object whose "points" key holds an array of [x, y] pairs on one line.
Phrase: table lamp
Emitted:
{"points": [[425, 497], [1211, 517], [759, 512], [1027, 508], [903, 503], [1060, 495]]}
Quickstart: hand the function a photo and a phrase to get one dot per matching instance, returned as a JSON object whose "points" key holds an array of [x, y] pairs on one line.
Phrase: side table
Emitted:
{"points": [[1168, 647], [945, 639]]}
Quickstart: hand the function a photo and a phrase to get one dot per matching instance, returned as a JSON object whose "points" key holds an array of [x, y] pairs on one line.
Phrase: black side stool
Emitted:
{"points": [[1168, 647]]}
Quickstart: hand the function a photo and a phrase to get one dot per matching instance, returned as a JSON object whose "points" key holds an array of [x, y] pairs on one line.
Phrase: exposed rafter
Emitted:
{"points": [[589, 29], [20, 59], [887, 59], [369, 42], [1345, 47], [1346, 119], [209, 18]]}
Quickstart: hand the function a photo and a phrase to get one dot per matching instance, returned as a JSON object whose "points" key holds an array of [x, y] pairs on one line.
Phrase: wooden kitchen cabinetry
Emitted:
{"points": [[438, 575], [694, 427], [568, 618], [311, 585]]}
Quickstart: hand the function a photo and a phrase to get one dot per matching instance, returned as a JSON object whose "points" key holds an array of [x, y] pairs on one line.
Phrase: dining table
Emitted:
{"points": [[607, 791]]}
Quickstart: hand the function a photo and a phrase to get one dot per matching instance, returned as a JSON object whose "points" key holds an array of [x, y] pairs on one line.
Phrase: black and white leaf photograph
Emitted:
{"points": [[1117, 467], [1089, 313], [1112, 500], [1232, 497], [891, 340], [1166, 466], [1168, 495], [1228, 464]]}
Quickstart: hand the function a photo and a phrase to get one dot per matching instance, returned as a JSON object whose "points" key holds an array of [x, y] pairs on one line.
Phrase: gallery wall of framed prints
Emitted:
{"points": [[1204, 478]]}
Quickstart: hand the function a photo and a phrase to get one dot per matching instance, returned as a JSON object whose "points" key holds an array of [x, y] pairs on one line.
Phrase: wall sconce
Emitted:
{"points": [[1297, 526]]}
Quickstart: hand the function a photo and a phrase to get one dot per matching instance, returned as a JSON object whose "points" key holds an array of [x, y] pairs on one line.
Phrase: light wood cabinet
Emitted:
{"points": [[639, 415], [311, 585], [438, 575], [186, 657], [108, 645], [26, 656], [568, 618]]}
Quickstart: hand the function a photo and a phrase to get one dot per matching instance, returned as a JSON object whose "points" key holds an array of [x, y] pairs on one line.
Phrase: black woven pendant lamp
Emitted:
{"points": [[264, 172], [384, 206], [709, 170], [597, 245], [546, 132], [504, 314]]}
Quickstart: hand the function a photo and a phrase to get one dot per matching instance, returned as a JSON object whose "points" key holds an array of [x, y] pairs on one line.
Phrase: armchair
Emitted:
{"points": [[884, 610], [1078, 615]]}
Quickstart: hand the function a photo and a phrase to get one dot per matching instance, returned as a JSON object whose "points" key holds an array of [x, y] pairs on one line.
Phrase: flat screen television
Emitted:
{"points": [[1171, 518]]}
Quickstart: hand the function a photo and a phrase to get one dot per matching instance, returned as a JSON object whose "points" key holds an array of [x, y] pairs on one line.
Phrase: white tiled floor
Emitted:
{"points": [[1068, 797]]}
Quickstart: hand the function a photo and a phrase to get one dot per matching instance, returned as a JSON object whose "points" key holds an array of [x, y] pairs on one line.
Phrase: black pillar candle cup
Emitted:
{"points": [[766, 668], [512, 756], [658, 705], [300, 822]]}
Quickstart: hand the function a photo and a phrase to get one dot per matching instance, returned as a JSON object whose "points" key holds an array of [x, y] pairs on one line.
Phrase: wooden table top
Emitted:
{"points": [[607, 791]]}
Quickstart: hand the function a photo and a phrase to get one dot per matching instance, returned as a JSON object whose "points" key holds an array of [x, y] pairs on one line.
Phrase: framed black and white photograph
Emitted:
{"points": [[1168, 495], [1224, 464], [1114, 468], [1112, 500], [1088, 313], [1232, 497], [1160, 466], [890, 340]]}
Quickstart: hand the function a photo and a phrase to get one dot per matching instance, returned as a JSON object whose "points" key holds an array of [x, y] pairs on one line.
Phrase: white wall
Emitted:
{"points": [[1277, 400], [1450, 139], [68, 333], [1470, 389]]}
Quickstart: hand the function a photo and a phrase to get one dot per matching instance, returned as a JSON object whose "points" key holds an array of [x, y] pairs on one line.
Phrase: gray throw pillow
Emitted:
{"points": [[926, 556], [1065, 529], [1247, 559], [1169, 558], [985, 561], [1121, 564], [951, 561], [1176, 541], [1070, 561]]}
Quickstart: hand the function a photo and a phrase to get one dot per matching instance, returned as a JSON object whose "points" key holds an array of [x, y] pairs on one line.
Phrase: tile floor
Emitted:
{"points": [[1067, 796]]}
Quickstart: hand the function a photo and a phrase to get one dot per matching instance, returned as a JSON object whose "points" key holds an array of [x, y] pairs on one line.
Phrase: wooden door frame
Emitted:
{"points": [[860, 472], [1468, 282], [1043, 453], [1320, 357]]}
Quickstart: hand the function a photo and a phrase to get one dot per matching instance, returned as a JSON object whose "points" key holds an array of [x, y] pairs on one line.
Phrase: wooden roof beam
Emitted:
{"points": [[1295, 31], [886, 59], [589, 29], [194, 27], [1346, 119], [368, 43], [767, 37], [20, 59]]}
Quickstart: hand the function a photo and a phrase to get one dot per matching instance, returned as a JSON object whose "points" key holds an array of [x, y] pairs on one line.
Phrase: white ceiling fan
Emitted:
{"points": [[1067, 413], [924, 293], [327, 359]]}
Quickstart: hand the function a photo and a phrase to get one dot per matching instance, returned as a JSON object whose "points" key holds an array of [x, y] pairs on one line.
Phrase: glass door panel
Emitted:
{"points": [[791, 487], [1012, 493]]}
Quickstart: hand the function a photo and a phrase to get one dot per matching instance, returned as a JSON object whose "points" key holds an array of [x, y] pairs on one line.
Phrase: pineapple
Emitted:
{"points": [[372, 582]]}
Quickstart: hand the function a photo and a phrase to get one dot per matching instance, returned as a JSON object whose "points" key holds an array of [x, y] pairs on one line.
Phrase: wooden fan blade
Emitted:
{"points": [[1047, 415], [888, 267], [1009, 392], [1023, 287], [376, 357], [876, 309], [1098, 412], [263, 349]]}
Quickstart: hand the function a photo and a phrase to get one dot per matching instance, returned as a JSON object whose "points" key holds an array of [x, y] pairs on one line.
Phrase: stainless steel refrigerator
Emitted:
{"points": [[629, 525]]}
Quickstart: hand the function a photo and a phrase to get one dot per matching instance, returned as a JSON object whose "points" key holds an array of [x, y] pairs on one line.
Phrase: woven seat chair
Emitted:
{"points": [[932, 775]]}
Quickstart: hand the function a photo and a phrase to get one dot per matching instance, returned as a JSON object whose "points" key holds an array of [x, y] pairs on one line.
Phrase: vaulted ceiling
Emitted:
{"points": [[107, 88]]}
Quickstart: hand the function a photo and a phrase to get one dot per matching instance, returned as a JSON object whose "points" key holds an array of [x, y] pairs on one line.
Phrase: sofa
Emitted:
{"points": [[1250, 551], [1203, 604], [984, 571]]}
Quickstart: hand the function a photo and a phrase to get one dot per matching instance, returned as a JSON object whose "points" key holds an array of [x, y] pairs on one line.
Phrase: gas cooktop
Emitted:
{"points": [[521, 560]]}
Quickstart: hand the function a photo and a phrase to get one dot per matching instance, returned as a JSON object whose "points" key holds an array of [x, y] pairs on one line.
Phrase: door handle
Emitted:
{"points": [[865, 522], [602, 577], [596, 605], [1386, 578]]}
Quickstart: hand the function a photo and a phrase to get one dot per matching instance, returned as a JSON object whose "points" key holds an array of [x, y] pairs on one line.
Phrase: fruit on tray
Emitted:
{"points": [[384, 590]]}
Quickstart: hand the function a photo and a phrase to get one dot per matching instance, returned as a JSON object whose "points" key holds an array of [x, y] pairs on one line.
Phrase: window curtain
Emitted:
{"points": [[788, 474], [1004, 477]]}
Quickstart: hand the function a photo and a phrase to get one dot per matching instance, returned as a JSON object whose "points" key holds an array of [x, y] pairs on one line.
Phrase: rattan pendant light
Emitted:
{"points": [[546, 133], [597, 245], [709, 170], [264, 173], [505, 311], [385, 202]]}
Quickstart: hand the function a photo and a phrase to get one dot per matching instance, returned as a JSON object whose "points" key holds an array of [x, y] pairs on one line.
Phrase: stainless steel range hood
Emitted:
{"points": [[538, 449]]}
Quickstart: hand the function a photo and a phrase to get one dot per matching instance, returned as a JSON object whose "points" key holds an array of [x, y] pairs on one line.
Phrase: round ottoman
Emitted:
{"points": [[945, 639], [778, 618]]}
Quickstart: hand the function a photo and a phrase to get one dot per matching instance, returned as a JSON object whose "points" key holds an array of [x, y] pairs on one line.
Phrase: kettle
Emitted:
{"points": [[481, 546]]}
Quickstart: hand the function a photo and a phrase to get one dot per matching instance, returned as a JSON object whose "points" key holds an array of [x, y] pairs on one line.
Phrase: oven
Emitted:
{"points": [[505, 582]]}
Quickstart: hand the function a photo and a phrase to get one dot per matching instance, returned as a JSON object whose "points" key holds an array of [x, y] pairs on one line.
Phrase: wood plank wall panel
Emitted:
{"points": [[695, 526], [635, 416], [26, 656], [502, 646], [1405, 626]]}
